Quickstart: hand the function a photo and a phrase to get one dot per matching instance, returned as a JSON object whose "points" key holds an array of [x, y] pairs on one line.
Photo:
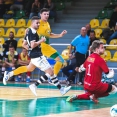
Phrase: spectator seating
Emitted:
{"points": [[107, 55], [114, 59], [102, 14], [105, 23], [9, 23], [19, 14], [65, 54], [110, 5], [98, 32], [94, 23], [28, 24], [60, 6], [110, 13], [20, 23], [103, 40], [51, 61], [8, 31], [2, 32], [20, 41], [2, 22], [2, 40], [20, 32], [112, 42]]}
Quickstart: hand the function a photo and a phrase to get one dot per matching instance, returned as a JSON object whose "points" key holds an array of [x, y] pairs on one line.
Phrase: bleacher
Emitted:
{"points": [[78, 12]]}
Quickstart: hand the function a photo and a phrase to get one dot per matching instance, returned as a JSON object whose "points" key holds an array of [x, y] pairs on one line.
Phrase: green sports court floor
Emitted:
{"points": [[49, 105]]}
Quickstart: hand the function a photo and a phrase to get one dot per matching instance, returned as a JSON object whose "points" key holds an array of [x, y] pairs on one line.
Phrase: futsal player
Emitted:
{"points": [[94, 66], [47, 50], [37, 60]]}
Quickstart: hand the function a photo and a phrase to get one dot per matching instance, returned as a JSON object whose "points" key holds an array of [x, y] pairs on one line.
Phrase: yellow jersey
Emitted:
{"points": [[44, 30]]}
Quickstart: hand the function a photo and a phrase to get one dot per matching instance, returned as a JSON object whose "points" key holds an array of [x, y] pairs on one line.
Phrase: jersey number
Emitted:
{"points": [[89, 66]]}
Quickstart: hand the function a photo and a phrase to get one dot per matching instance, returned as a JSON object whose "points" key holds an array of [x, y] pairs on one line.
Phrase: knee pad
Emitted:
{"points": [[114, 91], [61, 59]]}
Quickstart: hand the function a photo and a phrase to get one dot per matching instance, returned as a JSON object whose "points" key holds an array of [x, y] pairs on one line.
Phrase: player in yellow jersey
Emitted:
{"points": [[47, 50]]}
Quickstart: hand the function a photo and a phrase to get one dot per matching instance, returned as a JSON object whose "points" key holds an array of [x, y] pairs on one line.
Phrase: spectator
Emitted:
{"points": [[23, 59], [18, 5], [107, 32], [113, 18], [35, 11], [92, 37], [8, 4], [2, 8], [51, 6], [81, 43], [113, 36], [71, 66], [10, 59], [10, 41], [88, 28]]}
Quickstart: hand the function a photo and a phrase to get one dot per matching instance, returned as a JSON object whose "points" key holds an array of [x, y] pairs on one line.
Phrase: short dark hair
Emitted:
{"points": [[92, 31], [44, 10], [11, 32], [11, 46], [35, 18], [96, 44]]}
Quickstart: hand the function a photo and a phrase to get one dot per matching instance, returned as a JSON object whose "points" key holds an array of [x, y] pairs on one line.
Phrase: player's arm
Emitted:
{"points": [[25, 45], [53, 35], [34, 44], [6, 59], [108, 73]]}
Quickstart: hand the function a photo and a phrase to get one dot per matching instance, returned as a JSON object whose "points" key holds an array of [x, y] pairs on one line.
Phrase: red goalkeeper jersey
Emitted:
{"points": [[94, 65]]}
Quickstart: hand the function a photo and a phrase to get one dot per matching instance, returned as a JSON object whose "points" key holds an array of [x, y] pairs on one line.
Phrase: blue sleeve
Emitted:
{"points": [[75, 41]]}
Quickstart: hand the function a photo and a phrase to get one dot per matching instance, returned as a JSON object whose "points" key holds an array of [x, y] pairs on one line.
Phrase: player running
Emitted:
{"points": [[47, 50], [32, 43]]}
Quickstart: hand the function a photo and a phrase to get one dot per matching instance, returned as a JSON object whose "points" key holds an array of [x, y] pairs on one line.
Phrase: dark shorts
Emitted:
{"points": [[80, 59]]}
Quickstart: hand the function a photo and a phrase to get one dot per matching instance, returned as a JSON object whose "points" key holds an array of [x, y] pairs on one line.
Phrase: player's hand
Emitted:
{"points": [[110, 74], [63, 33], [43, 39]]}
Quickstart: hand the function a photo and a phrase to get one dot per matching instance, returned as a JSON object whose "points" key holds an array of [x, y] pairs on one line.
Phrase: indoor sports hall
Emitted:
{"points": [[16, 99]]}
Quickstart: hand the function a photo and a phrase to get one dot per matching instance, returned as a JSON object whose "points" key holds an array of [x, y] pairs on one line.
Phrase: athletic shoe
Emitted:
{"points": [[6, 77], [64, 90], [71, 98], [33, 88], [94, 99], [27, 80]]}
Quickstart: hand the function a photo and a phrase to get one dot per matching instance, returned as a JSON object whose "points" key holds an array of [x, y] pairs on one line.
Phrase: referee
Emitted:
{"points": [[81, 43]]}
